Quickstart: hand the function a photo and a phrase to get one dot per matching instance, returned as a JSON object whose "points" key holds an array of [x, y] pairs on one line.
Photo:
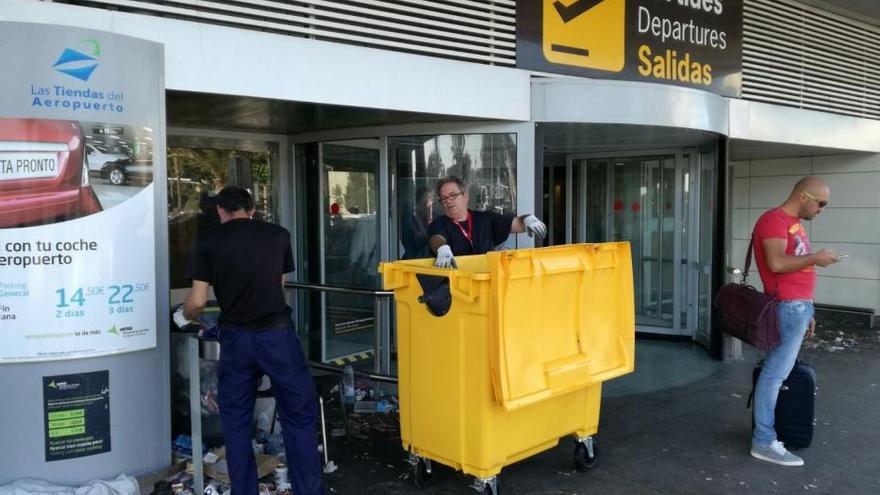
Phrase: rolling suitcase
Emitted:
{"points": [[796, 406]]}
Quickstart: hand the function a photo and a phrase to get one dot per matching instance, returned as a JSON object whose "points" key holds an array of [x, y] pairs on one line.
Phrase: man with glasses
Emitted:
{"points": [[788, 270], [462, 231]]}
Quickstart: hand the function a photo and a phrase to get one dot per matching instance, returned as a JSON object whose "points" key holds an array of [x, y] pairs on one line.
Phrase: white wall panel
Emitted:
{"points": [[851, 223], [740, 196], [847, 163], [863, 260], [847, 225], [740, 168], [853, 189], [741, 227], [856, 293], [738, 253], [767, 192], [780, 166]]}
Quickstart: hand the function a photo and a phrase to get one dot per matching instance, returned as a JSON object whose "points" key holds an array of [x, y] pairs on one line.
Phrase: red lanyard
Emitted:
{"points": [[470, 229]]}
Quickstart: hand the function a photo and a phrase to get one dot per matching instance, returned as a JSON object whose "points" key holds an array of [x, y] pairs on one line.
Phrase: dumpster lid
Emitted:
{"points": [[562, 320]]}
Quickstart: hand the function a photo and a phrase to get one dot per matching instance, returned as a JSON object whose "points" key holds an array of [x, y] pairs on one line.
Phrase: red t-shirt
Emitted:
{"points": [[776, 224]]}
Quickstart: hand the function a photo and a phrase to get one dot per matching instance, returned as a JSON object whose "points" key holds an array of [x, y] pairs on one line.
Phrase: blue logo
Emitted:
{"points": [[79, 63]]}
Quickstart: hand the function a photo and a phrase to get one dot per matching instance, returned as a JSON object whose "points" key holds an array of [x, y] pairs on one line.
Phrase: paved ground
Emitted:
{"points": [[691, 439]]}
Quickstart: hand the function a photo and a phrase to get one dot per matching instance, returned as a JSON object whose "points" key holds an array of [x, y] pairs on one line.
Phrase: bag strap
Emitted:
{"points": [[748, 264]]}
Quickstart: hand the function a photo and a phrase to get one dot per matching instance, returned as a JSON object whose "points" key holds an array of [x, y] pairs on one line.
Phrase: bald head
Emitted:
{"points": [[811, 184], [808, 197]]}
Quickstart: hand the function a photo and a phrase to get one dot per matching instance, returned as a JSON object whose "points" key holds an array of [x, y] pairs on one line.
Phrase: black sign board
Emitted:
{"points": [[693, 43], [108, 131], [76, 412]]}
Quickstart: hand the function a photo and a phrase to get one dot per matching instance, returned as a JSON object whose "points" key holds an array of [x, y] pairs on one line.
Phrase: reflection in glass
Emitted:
{"points": [[642, 212], [597, 201], [486, 162], [708, 169], [337, 184], [196, 174], [637, 199]]}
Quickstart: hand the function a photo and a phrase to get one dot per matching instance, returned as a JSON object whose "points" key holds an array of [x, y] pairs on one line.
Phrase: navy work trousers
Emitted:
{"points": [[245, 356]]}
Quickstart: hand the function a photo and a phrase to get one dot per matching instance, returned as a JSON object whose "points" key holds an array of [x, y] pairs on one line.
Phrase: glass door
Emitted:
{"points": [[663, 204], [642, 199], [365, 195], [341, 245], [699, 271], [198, 167]]}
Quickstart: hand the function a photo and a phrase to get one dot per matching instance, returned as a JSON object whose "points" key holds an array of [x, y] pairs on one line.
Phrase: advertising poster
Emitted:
{"points": [[77, 197], [76, 412]]}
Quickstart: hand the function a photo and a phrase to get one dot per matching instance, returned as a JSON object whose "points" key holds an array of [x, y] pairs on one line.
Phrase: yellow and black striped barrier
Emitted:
{"points": [[352, 358]]}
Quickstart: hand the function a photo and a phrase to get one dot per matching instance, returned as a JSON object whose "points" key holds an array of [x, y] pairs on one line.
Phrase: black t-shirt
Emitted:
{"points": [[487, 230], [414, 237], [244, 260]]}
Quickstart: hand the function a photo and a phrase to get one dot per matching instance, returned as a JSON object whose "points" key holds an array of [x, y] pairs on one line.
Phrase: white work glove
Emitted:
{"points": [[445, 258], [179, 319], [534, 227]]}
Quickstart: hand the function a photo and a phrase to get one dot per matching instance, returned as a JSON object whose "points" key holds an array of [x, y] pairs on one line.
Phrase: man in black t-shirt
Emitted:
{"points": [[462, 231], [245, 260]]}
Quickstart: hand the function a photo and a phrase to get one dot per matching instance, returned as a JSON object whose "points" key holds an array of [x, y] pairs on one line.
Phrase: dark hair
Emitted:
{"points": [[234, 198], [446, 180]]}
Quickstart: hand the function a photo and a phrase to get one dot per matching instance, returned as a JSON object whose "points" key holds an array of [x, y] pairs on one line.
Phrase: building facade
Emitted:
{"points": [[340, 115], [329, 97]]}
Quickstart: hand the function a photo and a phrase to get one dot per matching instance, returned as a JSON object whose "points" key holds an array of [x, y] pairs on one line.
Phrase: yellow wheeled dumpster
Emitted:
{"points": [[501, 357]]}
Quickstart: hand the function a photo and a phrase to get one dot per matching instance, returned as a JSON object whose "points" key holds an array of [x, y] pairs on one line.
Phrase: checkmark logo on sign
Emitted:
{"points": [[585, 33]]}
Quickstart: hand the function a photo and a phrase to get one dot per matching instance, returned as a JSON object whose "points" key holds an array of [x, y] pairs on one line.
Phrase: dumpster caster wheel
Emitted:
{"points": [[586, 454], [487, 486], [421, 470]]}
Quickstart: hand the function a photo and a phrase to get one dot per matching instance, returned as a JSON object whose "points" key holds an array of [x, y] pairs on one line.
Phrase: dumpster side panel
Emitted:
{"points": [[493, 437], [518, 361], [439, 368], [404, 366]]}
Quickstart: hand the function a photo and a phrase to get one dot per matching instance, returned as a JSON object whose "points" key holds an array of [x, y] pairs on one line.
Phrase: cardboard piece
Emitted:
{"points": [[266, 464]]}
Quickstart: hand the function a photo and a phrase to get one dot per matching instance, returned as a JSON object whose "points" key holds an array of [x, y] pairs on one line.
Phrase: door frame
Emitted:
{"points": [[387, 212], [281, 172], [680, 326]]}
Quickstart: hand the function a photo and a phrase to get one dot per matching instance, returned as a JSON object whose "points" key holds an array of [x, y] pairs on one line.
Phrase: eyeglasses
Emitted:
{"points": [[822, 204], [450, 197]]}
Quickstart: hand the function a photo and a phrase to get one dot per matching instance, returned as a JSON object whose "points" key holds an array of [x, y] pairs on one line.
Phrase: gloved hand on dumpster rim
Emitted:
{"points": [[534, 227], [445, 259]]}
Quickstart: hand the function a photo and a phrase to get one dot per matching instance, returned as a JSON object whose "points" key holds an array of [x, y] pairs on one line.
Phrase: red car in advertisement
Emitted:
{"points": [[43, 175]]}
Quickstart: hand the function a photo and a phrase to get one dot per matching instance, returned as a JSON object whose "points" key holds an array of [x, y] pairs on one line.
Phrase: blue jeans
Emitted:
{"points": [[794, 318]]}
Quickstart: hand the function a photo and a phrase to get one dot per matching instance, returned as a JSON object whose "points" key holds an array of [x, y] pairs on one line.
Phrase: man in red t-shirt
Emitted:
{"points": [[788, 271]]}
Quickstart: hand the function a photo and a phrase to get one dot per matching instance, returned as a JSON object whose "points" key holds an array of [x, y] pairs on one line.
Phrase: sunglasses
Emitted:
{"points": [[822, 204], [449, 197]]}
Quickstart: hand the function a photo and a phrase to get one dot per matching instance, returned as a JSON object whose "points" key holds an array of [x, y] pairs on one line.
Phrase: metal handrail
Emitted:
{"points": [[332, 368], [382, 340], [338, 288]]}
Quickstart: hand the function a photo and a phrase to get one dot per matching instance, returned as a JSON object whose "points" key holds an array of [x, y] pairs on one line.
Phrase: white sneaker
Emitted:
{"points": [[776, 453]]}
